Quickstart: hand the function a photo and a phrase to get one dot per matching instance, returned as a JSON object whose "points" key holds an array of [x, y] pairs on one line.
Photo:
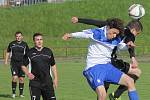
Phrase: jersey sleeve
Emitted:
{"points": [[25, 60], [84, 34], [52, 60], [131, 52], [98, 23], [129, 36], [27, 48], [9, 48]]}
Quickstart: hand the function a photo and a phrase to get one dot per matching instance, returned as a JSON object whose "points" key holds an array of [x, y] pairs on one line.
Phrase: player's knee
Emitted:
{"points": [[130, 83], [14, 78], [101, 93], [102, 97], [21, 79]]}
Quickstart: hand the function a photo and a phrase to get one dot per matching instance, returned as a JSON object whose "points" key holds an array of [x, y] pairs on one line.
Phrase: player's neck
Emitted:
{"points": [[39, 48], [19, 42]]}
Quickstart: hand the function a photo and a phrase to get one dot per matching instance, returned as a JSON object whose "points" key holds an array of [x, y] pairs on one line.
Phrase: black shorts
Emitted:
{"points": [[16, 70], [47, 92], [121, 65]]}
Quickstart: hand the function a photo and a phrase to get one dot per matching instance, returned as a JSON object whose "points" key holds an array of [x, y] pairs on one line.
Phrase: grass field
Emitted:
{"points": [[53, 20], [72, 85]]}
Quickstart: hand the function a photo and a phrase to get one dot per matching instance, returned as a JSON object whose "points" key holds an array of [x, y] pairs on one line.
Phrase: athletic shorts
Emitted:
{"points": [[46, 92], [16, 70], [121, 65], [97, 74]]}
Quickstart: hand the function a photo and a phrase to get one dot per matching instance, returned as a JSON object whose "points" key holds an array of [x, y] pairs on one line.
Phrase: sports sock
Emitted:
{"points": [[14, 85], [119, 91], [21, 87], [122, 88], [133, 95]]}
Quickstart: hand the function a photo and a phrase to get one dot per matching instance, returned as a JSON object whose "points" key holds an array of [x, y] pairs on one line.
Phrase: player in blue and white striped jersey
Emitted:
{"points": [[133, 28], [99, 67]]}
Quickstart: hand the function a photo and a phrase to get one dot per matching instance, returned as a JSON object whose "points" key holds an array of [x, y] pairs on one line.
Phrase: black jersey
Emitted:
{"points": [[40, 62], [17, 50], [129, 37]]}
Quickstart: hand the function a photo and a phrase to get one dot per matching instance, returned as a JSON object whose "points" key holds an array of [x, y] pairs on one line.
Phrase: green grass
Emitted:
{"points": [[72, 84], [53, 20]]}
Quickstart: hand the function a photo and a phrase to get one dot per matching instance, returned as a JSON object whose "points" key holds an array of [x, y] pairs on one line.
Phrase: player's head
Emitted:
{"points": [[38, 40], [115, 27], [18, 36], [135, 27]]}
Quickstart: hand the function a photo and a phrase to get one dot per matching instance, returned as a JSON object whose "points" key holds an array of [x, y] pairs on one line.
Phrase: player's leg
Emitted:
{"points": [[14, 72], [48, 93], [101, 93], [21, 82], [95, 77], [134, 73], [129, 82], [116, 76], [35, 93]]}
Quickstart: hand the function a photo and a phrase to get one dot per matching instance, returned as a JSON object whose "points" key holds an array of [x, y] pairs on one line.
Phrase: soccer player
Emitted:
{"points": [[133, 28], [99, 67], [40, 60], [16, 50]]}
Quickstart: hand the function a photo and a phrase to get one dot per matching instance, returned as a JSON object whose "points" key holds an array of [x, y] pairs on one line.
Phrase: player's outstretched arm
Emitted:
{"points": [[66, 36], [98, 23]]}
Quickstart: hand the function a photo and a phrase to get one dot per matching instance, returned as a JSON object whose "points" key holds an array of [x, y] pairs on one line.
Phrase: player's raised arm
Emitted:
{"points": [[98, 23], [83, 34]]}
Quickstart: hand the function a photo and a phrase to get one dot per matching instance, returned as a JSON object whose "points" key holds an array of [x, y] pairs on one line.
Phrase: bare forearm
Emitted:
{"points": [[54, 72], [25, 70], [6, 58]]}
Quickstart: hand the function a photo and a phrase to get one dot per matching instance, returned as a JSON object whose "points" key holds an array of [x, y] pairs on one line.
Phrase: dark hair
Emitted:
{"points": [[37, 34], [116, 23], [18, 32], [136, 24]]}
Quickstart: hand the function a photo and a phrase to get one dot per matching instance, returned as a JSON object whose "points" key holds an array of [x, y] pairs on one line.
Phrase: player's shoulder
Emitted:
{"points": [[12, 42], [47, 49], [24, 43]]}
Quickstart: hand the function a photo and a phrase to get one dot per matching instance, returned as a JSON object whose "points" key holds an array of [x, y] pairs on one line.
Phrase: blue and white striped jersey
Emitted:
{"points": [[100, 48]]}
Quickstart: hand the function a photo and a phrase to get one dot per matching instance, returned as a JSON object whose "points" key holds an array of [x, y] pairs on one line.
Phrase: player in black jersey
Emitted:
{"points": [[40, 60], [16, 50], [132, 29]]}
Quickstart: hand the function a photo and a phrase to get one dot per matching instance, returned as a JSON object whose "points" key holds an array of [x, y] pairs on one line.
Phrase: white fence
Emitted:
{"points": [[24, 2]]}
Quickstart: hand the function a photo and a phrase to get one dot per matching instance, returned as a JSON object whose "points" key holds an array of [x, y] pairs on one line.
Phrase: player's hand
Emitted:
{"points": [[130, 44], [74, 20], [30, 76], [55, 83], [134, 62], [66, 36]]}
